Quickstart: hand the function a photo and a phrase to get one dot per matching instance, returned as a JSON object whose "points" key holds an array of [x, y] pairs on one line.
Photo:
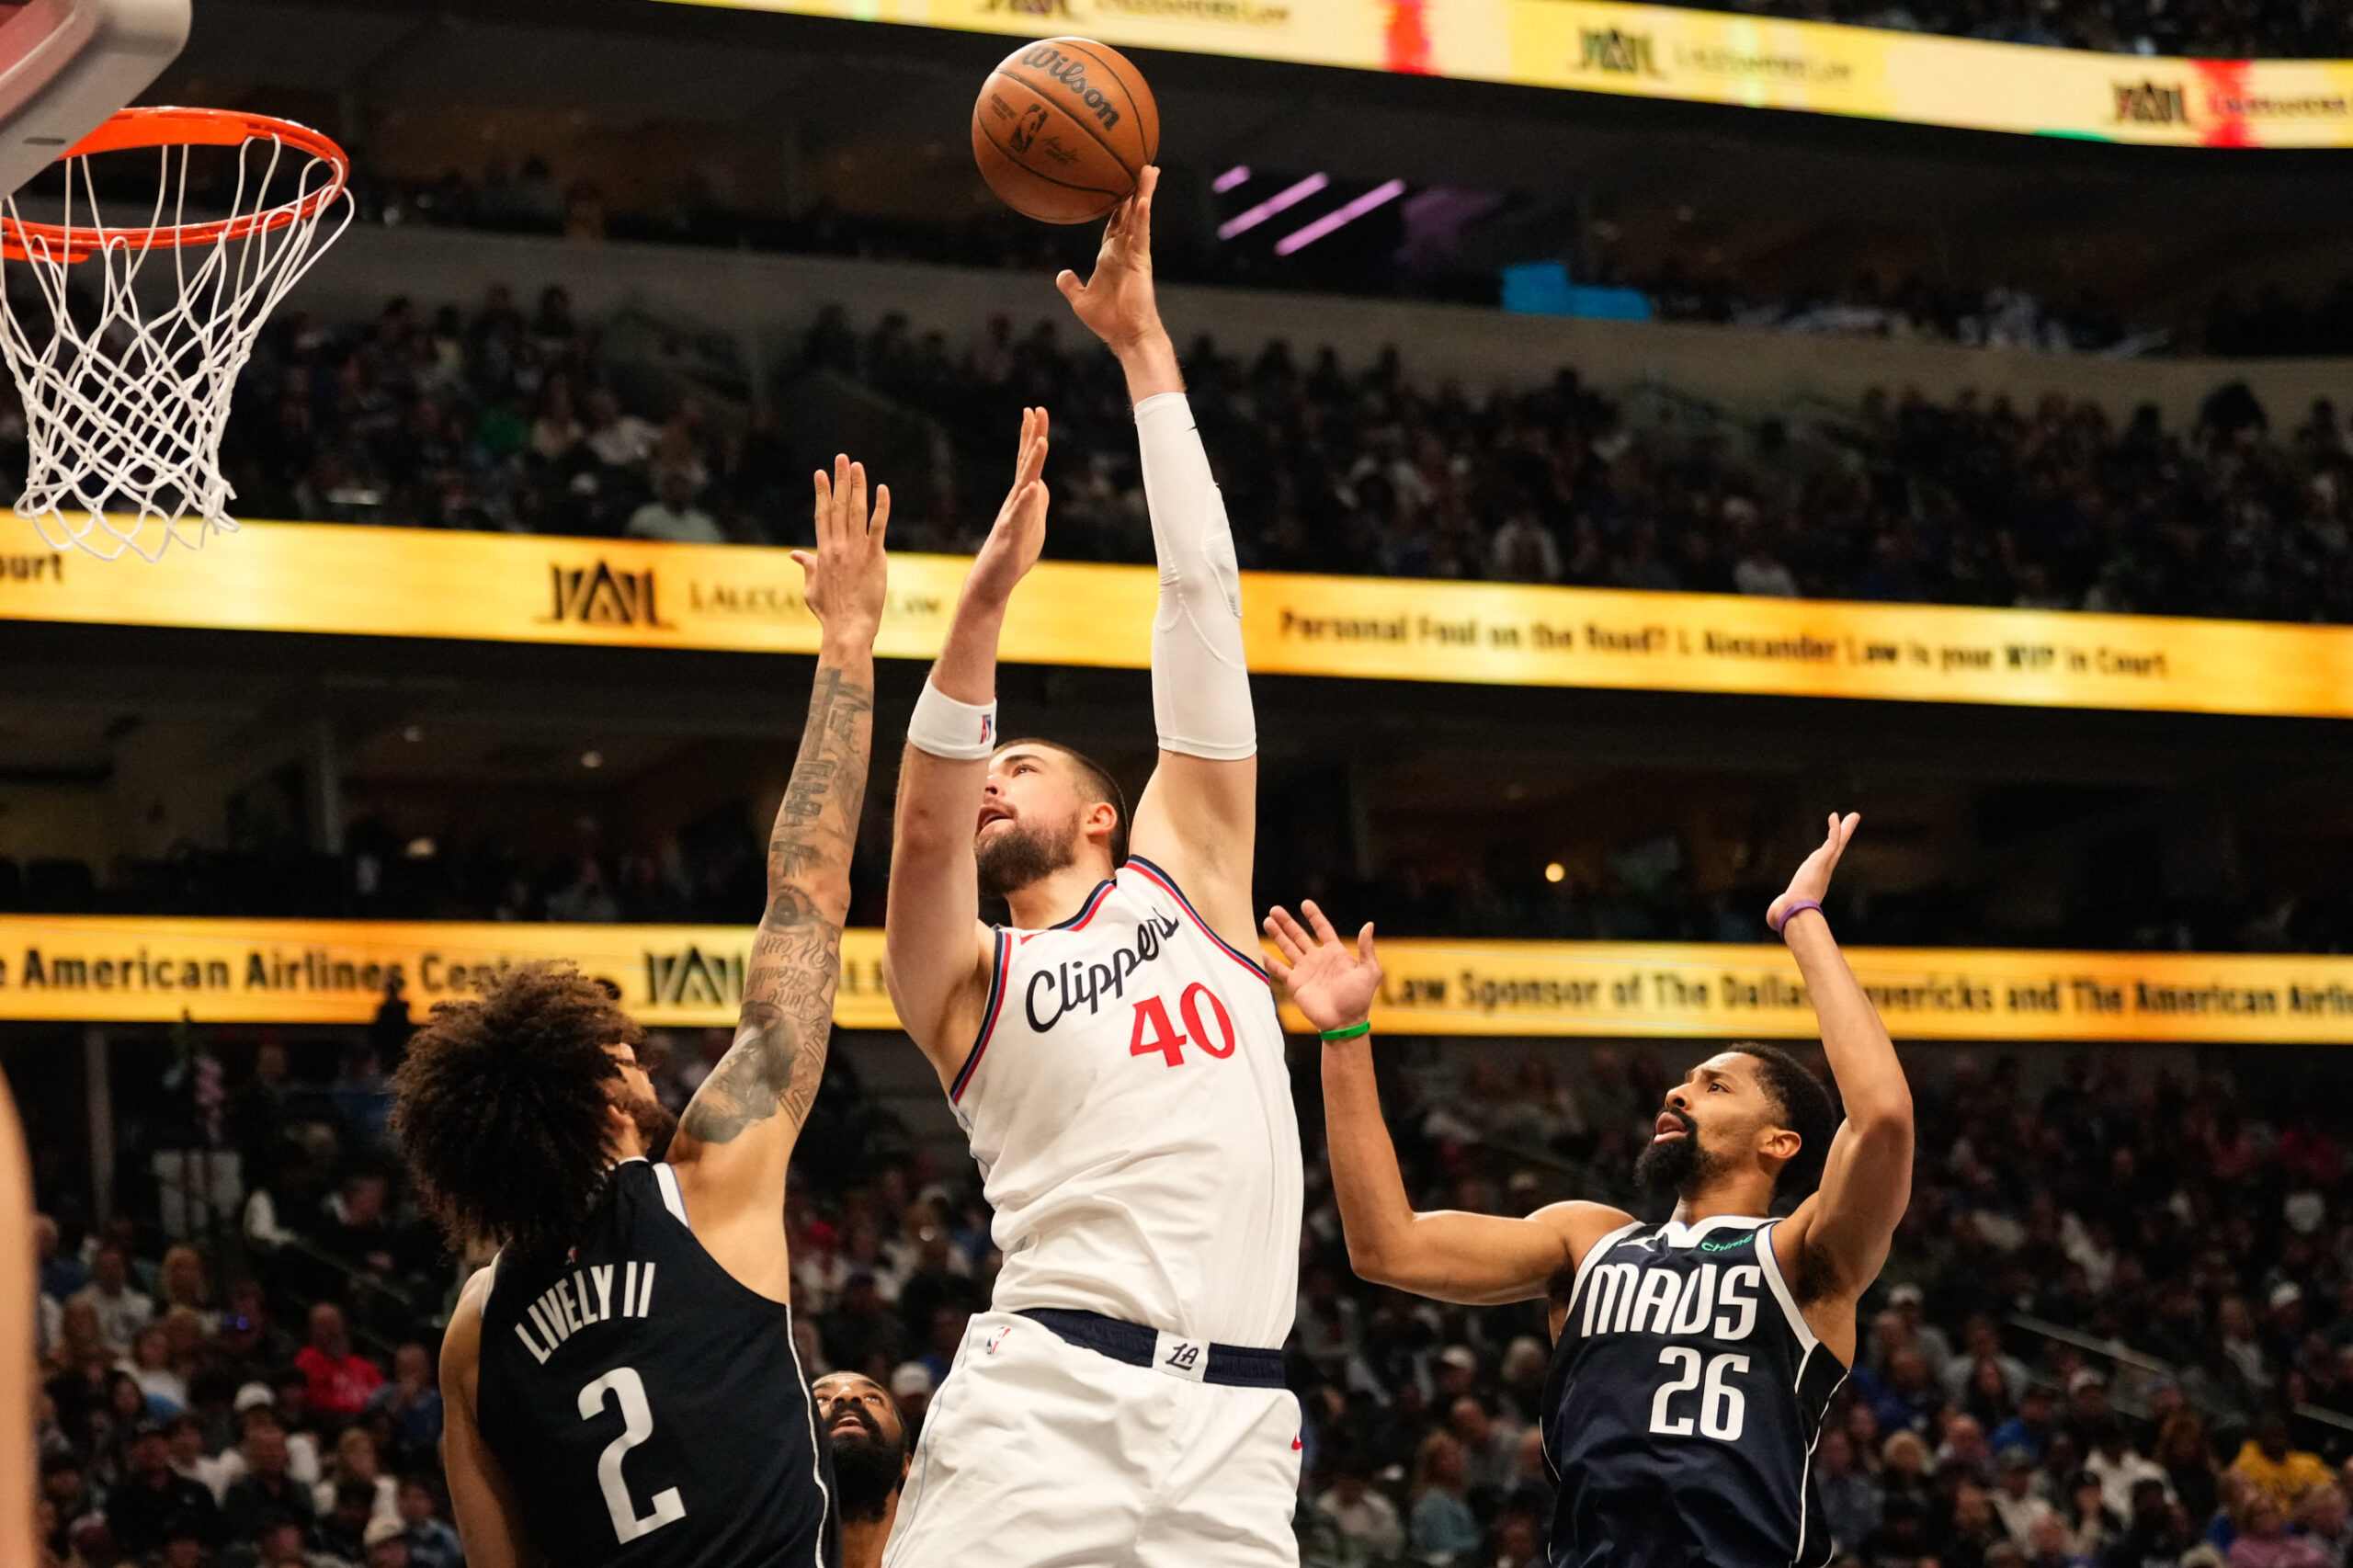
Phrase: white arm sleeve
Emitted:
{"points": [[1200, 683]]}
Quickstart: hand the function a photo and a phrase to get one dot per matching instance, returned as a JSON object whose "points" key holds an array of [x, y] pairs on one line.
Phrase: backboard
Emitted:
{"points": [[65, 65]]}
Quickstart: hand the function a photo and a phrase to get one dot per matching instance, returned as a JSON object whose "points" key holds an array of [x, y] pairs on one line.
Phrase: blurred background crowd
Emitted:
{"points": [[2212, 30], [525, 418], [2116, 1330]]}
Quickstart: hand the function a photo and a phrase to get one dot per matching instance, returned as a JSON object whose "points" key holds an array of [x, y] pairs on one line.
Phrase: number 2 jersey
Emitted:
{"points": [[1685, 1399], [649, 1408], [1129, 1104]]}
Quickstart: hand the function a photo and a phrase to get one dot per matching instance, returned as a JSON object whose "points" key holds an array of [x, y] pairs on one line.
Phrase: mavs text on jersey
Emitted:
{"points": [[1686, 1395]]}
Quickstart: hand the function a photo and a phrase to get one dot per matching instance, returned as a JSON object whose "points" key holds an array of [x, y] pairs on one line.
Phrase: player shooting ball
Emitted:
{"points": [[1113, 1054]]}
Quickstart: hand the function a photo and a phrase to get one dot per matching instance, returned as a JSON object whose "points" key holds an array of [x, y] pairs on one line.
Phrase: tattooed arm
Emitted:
{"points": [[734, 1143]]}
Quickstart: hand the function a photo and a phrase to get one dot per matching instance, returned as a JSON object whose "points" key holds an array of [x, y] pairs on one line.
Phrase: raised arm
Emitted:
{"points": [[735, 1143], [489, 1519], [1838, 1237], [1199, 817], [936, 951], [1476, 1259]]}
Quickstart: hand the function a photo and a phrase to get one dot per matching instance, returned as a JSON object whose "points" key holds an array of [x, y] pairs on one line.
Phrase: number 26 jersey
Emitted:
{"points": [[1128, 1104], [1686, 1396]]}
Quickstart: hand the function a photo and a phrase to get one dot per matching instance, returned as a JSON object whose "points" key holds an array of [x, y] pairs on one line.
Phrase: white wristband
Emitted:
{"points": [[943, 727]]}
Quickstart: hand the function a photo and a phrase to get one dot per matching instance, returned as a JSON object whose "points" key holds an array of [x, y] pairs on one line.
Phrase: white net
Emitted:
{"points": [[127, 348]]}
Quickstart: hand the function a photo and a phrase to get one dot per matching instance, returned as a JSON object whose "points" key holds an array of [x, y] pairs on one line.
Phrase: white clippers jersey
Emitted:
{"points": [[1129, 1105]]}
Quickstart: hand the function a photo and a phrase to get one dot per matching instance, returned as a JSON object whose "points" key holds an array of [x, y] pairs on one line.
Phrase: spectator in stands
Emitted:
{"points": [[342, 1528], [184, 1284], [1490, 1448], [671, 514], [184, 1436], [2030, 1429], [265, 1492], [2262, 1540], [383, 1544], [2283, 1473], [1902, 1540], [2014, 1498], [279, 1542], [149, 1366], [1849, 1494], [432, 1540], [2091, 1526], [150, 1496], [2186, 1457], [337, 1380], [1443, 1526], [2322, 1519], [91, 1543], [355, 1463], [861, 1332], [412, 1401], [122, 1308], [911, 1389], [1362, 1516], [184, 1544], [1981, 1377], [2118, 1468]]}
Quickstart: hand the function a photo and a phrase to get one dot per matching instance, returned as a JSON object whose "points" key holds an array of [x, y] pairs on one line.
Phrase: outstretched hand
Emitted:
{"points": [[1333, 986], [846, 579], [1812, 879], [1117, 304], [1019, 532]]}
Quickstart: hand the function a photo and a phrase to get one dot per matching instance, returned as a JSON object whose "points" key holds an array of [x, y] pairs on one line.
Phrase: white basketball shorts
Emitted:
{"points": [[1039, 1453]]}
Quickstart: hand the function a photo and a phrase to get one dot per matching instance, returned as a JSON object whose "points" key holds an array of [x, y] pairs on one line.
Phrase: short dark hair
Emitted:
{"points": [[1096, 783], [502, 1106], [1806, 1109]]}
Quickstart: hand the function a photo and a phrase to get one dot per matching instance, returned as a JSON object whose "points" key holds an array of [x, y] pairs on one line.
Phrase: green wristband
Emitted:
{"points": [[1332, 1037]]}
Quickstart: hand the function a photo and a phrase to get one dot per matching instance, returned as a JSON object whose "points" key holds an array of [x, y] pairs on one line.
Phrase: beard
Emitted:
{"points": [[655, 1122], [1021, 854], [1675, 1165], [868, 1468]]}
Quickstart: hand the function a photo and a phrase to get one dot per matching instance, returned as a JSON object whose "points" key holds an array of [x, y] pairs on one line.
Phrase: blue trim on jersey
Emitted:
{"points": [[1085, 911], [1168, 884], [1003, 955]]}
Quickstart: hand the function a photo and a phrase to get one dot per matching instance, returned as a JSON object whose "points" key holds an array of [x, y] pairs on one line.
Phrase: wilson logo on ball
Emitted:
{"points": [[1072, 73]]}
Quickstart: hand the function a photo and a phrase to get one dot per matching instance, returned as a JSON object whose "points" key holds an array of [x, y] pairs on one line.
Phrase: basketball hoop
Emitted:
{"points": [[127, 365]]}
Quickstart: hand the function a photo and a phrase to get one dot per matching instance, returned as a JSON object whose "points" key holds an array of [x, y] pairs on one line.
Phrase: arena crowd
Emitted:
{"points": [[2210, 29], [510, 419], [2116, 1330]]}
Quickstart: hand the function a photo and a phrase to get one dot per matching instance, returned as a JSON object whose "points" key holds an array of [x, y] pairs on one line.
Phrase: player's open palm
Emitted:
{"points": [[1020, 531], [1811, 883], [1332, 985], [847, 575], [1117, 303]]}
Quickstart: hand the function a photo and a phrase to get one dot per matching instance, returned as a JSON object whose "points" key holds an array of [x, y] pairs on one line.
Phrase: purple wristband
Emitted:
{"points": [[1800, 907]]}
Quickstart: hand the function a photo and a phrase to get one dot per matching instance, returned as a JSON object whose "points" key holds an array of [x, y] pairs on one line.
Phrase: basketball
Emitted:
{"points": [[1063, 129]]}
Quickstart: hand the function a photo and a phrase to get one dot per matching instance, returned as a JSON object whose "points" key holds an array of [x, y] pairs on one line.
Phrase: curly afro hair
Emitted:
{"points": [[502, 1106]]}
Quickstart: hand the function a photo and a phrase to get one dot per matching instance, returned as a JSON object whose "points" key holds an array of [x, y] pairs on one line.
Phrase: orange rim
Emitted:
{"points": [[131, 129]]}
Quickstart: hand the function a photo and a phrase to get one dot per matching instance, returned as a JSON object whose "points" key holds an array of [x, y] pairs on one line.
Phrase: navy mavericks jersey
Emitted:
{"points": [[647, 1407], [1683, 1405]]}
